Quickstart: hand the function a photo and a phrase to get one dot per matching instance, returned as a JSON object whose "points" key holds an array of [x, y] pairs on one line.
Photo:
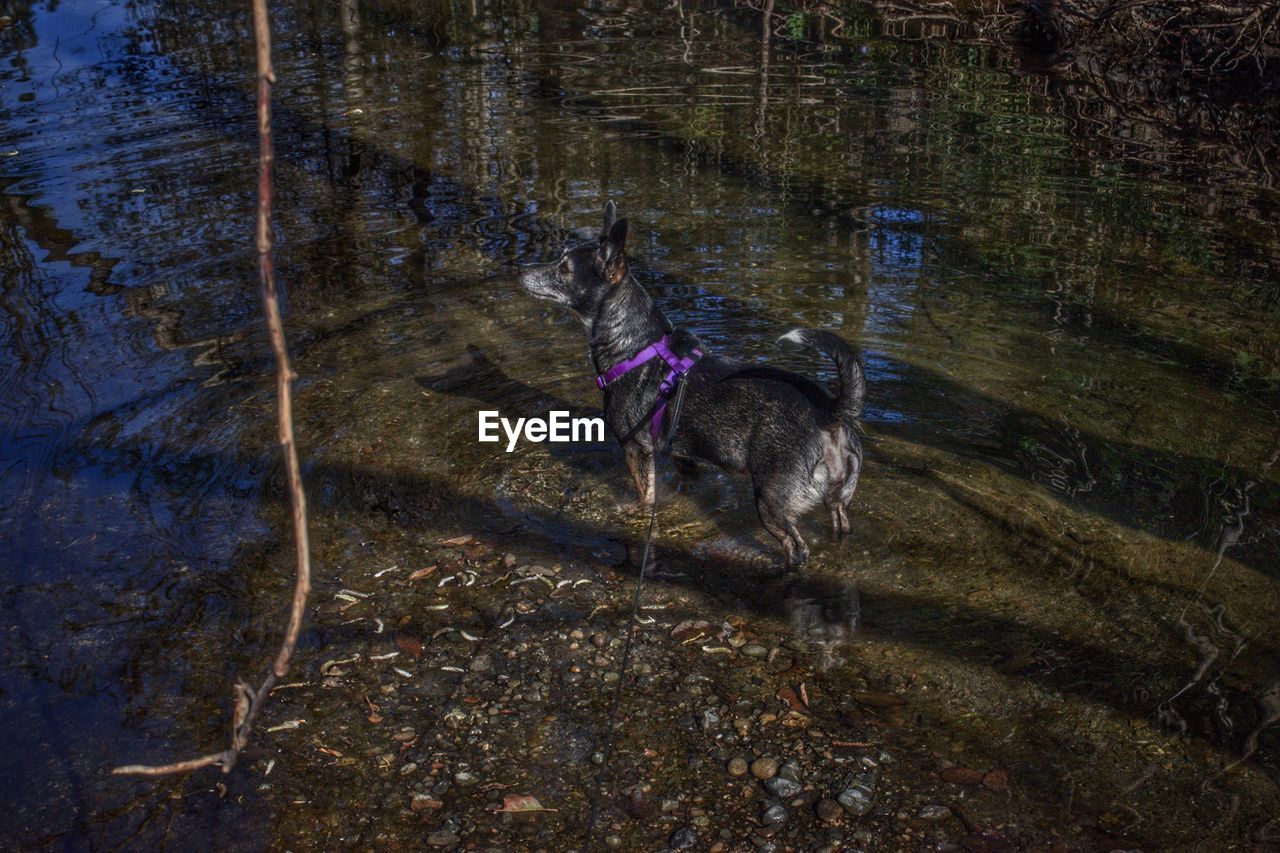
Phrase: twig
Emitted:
{"points": [[248, 702]]}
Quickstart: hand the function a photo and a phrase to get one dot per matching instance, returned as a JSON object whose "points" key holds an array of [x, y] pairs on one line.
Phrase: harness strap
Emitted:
{"points": [[678, 367]]}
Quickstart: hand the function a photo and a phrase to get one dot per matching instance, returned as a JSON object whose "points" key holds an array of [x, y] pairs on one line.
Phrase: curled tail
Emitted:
{"points": [[853, 382]]}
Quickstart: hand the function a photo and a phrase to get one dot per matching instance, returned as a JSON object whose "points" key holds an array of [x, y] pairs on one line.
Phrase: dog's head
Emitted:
{"points": [[585, 274]]}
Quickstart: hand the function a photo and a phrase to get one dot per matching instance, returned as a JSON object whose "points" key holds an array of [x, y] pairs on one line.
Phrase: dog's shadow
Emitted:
{"points": [[481, 379]]}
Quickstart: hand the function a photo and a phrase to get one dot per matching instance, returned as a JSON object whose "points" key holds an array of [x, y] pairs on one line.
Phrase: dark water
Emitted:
{"points": [[1072, 507]]}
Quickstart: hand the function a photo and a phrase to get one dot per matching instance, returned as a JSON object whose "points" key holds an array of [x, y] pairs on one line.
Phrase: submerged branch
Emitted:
{"points": [[248, 702]]}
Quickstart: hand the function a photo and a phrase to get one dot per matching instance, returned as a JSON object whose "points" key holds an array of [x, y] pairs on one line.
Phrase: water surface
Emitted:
{"points": [[1068, 525]]}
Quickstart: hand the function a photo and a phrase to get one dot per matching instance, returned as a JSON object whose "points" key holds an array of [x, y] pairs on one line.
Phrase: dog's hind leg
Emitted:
{"points": [[839, 519], [640, 464], [783, 529]]}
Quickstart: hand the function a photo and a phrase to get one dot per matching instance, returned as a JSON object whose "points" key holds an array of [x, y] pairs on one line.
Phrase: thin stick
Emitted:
{"points": [[248, 702]]}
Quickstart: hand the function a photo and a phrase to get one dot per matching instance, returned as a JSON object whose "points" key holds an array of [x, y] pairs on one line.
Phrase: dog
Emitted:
{"points": [[797, 441]]}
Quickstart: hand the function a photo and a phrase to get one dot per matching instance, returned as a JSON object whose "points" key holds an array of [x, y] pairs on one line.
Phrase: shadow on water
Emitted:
{"points": [[824, 609], [165, 468]]}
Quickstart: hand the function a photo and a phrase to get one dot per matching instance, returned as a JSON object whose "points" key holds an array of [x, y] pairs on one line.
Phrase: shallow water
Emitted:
{"points": [[1069, 525]]}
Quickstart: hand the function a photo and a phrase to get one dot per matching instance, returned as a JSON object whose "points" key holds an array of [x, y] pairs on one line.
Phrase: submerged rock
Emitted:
{"points": [[855, 801], [783, 788], [684, 838], [764, 768]]}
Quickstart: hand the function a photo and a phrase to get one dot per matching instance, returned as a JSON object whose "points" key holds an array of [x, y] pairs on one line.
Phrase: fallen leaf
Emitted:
{"points": [[793, 700], [962, 776], [329, 751], [689, 628], [458, 540], [423, 573], [409, 643], [522, 803]]}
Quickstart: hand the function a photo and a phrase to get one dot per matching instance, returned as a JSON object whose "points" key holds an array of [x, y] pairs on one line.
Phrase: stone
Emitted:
{"points": [[738, 766], [754, 650], [683, 838], [829, 810], [764, 768], [783, 788], [442, 838], [425, 802], [855, 801], [933, 811]]}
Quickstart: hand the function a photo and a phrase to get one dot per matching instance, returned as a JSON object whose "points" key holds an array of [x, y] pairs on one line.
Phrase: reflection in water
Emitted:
{"points": [[1068, 525], [827, 621]]}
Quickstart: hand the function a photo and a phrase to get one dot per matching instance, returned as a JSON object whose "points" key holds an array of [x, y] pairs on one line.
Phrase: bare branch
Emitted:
{"points": [[247, 701]]}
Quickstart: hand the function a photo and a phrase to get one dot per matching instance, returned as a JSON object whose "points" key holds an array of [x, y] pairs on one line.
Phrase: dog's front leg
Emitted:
{"points": [[640, 464]]}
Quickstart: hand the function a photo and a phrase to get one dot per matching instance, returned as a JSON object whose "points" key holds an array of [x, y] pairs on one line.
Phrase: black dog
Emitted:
{"points": [[798, 443]]}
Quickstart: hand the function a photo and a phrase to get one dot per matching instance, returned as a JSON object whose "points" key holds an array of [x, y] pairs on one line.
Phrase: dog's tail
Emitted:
{"points": [[853, 381]]}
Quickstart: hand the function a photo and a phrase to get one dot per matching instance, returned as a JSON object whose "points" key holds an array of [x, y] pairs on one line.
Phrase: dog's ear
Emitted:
{"points": [[610, 216], [612, 254]]}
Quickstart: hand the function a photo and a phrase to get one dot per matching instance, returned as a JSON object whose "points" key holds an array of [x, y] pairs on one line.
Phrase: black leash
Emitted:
{"points": [[664, 445]]}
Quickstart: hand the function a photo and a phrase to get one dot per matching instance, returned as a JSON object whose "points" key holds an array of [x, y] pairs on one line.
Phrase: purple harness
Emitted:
{"points": [[661, 348]]}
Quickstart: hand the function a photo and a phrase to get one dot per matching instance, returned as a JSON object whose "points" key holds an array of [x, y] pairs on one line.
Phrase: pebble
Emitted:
{"points": [[829, 810], [855, 801], [764, 768], [684, 838], [709, 719], [463, 779], [754, 650], [738, 640], [599, 639], [613, 842], [933, 812], [481, 663], [408, 768], [775, 814], [423, 802], [443, 838], [790, 770], [738, 766], [783, 788], [742, 726]]}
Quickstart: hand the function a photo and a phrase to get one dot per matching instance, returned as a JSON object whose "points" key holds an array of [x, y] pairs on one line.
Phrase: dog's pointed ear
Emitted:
{"points": [[613, 254], [610, 216]]}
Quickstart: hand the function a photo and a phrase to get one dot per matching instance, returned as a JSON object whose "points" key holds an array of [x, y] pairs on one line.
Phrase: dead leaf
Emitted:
{"points": [[689, 628], [423, 573], [409, 643], [458, 540], [522, 803], [329, 751], [793, 700]]}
